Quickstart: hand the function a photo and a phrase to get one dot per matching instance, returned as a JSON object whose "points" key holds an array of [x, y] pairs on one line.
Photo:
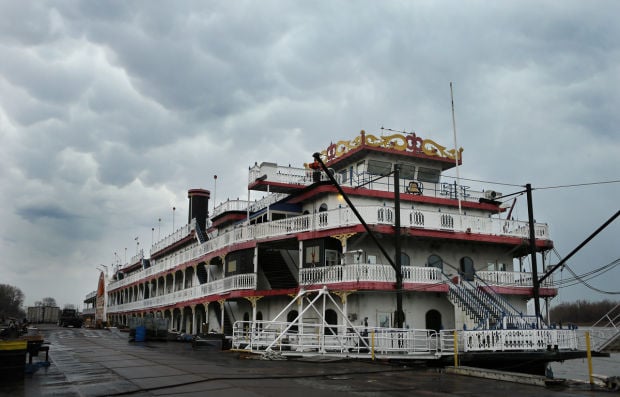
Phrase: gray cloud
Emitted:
{"points": [[110, 111]]}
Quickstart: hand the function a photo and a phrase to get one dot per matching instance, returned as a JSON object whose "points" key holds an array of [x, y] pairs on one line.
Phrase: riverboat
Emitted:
{"points": [[368, 250]]}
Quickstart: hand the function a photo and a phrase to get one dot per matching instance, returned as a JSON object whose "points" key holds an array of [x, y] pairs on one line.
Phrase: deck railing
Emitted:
{"points": [[304, 177], [333, 219], [177, 235], [517, 340], [367, 272], [232, 283], [321, 338], [328, 338], [512, 279]]}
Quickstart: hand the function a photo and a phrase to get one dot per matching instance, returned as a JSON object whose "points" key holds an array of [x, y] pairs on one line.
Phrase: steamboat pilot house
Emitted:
{"points": [[246, 262]]}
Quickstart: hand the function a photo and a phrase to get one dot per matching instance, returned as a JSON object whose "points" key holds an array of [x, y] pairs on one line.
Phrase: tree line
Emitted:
{"points": [[581, 312], [12, 300]]}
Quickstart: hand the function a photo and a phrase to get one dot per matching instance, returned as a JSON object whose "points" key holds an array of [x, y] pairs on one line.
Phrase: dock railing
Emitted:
{"points": [[291, 338]]}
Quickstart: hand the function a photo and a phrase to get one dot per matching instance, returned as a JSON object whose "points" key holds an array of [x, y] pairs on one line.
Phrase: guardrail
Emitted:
{"points": [[322, 338]]}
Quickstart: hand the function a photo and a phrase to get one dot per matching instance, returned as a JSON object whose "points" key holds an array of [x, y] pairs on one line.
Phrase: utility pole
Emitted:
{"points": [[535, 281], [400, 316]]}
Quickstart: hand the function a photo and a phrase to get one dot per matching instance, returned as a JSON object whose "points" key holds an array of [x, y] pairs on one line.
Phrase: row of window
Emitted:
{"points": [[378, 167]]}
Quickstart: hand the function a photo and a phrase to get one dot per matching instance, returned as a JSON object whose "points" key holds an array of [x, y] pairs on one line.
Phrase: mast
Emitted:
{"points": [[536, 282], [456, 152]]}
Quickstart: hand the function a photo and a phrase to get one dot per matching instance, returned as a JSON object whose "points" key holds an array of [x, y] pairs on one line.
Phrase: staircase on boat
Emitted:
{"points": [[275, 267], [486, 308]]}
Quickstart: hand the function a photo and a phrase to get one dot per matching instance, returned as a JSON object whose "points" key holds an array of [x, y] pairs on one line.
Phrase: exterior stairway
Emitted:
{"points": [[274, 267], [200, 235], [486, 308]]}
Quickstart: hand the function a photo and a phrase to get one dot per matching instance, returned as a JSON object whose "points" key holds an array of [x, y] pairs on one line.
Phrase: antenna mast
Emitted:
{"points": [[456, 152]]}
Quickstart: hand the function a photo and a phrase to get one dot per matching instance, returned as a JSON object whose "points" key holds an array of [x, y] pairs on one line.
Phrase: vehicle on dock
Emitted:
{"points": [[70, 318]]}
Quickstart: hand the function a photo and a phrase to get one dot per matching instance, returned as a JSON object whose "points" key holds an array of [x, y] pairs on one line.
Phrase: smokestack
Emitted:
{"points": [[198, 206]]}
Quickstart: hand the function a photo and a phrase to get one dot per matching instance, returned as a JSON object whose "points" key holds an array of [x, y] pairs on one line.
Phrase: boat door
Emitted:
{"points": [[433, 320], [467, 268], [435, 261]]}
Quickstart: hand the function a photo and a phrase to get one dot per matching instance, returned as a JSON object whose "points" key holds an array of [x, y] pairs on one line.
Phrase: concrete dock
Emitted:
{"points": [[89, 362]]}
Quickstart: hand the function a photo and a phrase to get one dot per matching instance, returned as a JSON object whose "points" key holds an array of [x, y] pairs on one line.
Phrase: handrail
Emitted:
{"points": [[606, 316]]}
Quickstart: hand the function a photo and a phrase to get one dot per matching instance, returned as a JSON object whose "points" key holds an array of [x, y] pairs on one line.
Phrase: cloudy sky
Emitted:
{"points": [[110, 111]]}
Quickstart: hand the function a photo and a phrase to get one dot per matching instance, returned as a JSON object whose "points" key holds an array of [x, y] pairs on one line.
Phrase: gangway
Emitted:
{"points": [[605, 332]]}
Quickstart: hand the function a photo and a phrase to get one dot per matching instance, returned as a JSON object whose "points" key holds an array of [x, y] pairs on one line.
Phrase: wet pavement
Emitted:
{"points": [[88, 362]]}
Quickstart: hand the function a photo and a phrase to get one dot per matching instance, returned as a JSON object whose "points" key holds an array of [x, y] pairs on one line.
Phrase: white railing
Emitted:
{"points": [[288, 175], [232, 283], [244, 205], [137, 257], [327, 338], [517, 340], [177, 235], [266, 201], [90, 295], [337, 218], [322, 338], [88, 311], [367, 272], [305, 177], [512, 279], [231, 205]]}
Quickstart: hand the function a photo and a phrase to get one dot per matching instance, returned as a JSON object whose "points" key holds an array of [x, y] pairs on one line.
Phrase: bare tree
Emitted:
{"points": [[49, 301], [11, 300]]}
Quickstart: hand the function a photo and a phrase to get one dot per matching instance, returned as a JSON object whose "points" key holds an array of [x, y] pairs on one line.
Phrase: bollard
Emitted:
{"points": [[372, 344], [589, 355], [456, 349]]}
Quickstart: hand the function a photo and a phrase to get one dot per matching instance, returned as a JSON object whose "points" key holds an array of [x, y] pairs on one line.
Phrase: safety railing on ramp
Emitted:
{"points": [[605, 333]]}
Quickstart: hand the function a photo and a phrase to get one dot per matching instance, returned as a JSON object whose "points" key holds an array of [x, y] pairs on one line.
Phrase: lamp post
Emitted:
{"points": [[159, 229], [173, 209], [152, 233], [214, 190]]}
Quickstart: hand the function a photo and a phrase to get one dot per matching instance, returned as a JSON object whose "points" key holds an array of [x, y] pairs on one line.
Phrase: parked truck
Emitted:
{"points": [[43, 314], [70, 317]]}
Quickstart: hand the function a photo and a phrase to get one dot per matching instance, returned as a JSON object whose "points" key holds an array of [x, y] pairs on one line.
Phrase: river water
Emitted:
{"points": [[578, 369]]}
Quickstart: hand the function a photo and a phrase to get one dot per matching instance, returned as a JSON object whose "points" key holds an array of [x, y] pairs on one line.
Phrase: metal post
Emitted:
{"points": [[456, 348], [535, 282], [399, 274], [589, 355]]}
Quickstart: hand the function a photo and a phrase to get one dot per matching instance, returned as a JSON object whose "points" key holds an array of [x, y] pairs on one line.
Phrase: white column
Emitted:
{"points": [[255, 259], [222, 315], [194, 320]]}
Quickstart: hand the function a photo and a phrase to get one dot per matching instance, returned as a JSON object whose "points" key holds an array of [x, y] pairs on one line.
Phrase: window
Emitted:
{"points": [[404, 259], [467, 268], [407, 171], [372, 259], [313, 255], [331, 257], [435, 261], [428, 174], [377, 167], [323, 217], [232, 267]]}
